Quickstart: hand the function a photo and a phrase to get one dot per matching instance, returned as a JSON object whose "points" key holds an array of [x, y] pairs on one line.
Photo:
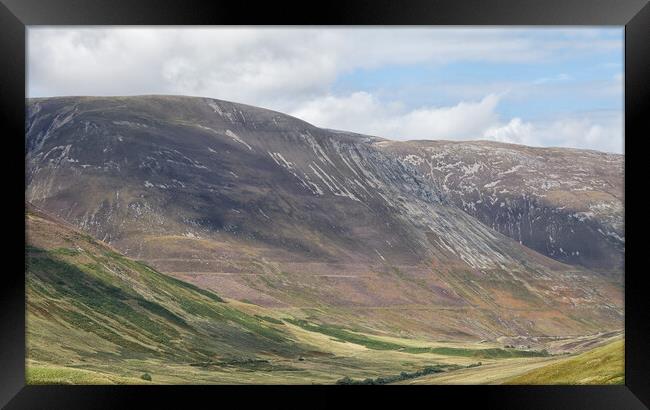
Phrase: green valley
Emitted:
{"points": [[97, 317]]}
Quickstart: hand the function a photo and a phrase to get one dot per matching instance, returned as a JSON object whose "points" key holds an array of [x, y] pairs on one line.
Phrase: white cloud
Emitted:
{"points": [[601, 131], [515, 131], [273, 66], [364, 113], [468, 120], [292, 70]]}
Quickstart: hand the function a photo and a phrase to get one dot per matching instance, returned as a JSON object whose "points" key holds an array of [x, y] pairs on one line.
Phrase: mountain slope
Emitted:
{"points": [[263, 207], [86, 300], [564, 203], [227, 171], [95, 316]]}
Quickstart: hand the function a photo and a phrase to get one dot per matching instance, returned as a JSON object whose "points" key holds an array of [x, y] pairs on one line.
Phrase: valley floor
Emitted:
{"points": [[333, 360]]}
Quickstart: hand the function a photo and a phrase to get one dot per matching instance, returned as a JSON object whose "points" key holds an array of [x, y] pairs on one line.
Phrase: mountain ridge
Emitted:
{"points": [[32, 100]]}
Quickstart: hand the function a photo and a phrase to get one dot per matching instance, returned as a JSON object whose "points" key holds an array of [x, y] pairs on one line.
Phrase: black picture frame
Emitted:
{"points": [[15, 15]]}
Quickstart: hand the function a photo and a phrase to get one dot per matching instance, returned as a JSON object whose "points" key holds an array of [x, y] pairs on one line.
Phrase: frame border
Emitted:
{"points": [[15, 15]]}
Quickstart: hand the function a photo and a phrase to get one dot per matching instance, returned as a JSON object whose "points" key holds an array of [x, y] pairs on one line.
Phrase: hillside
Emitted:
{"points": [[602, 365], [265, 208], [564, 203], [87, 304], [95, 316]]}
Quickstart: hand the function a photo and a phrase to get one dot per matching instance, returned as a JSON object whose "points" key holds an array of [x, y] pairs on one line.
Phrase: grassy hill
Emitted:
{"points": [[86, 304], [602, 365]]}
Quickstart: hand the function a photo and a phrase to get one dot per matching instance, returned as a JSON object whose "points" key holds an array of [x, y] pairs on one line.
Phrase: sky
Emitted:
{"points": [[558, 86]]}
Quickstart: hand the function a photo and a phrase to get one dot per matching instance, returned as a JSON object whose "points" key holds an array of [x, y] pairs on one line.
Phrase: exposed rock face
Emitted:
{"points": [[564, 203], [265, 207]]}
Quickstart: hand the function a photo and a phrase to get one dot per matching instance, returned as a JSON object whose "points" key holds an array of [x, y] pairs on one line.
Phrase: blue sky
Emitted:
{"points": [[536, 86], [441, 85], [545, 88]]}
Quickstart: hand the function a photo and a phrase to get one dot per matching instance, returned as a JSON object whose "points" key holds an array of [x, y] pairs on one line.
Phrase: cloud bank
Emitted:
{"points": [[468, 120], [297, 70]]}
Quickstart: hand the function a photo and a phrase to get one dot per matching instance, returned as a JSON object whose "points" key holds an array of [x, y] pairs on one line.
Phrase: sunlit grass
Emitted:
{"points": [[602, 365]]}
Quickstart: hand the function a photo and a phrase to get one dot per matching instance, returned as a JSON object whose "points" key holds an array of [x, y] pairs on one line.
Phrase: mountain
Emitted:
{"points": [[564, 203], [265, 208]]}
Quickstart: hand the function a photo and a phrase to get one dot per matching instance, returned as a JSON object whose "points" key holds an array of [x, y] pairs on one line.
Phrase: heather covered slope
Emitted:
{"points": [[262, 207]]}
